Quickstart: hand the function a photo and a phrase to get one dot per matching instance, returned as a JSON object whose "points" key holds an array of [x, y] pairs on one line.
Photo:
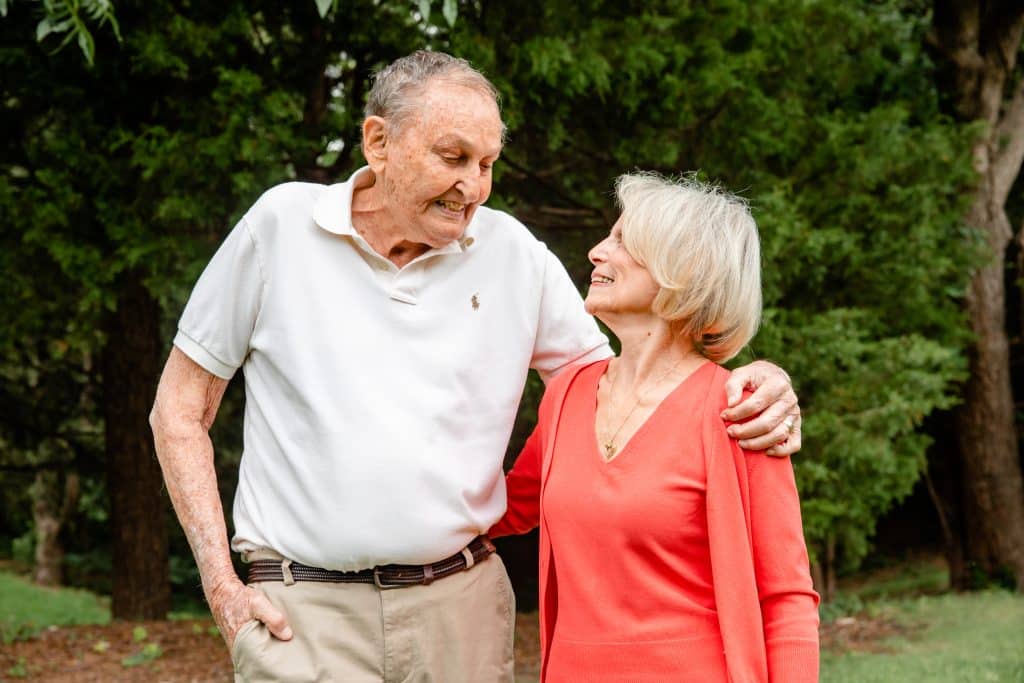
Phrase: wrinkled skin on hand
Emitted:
{"points": [[776, 427], [233, 604]]}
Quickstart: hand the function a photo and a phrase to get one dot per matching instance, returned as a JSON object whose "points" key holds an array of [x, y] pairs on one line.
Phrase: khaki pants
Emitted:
{"points": [[458, 629]]}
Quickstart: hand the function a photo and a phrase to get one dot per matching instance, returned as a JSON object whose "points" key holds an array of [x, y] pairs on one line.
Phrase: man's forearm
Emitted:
{"points": [[187, 463], [186, 403]]}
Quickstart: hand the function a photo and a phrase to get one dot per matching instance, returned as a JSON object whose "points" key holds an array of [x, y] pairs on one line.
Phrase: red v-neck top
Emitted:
{"points": [[631, 592], [638, 591]]}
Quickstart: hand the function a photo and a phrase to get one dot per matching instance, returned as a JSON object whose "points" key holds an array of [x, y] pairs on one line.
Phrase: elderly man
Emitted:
{"points": [[385, 326]]}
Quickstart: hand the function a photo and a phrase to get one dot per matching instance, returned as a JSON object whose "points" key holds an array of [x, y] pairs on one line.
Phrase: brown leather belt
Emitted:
{"points": [[384, 576]]}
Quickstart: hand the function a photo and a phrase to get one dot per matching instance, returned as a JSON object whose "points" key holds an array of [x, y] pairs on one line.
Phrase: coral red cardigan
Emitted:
{"points": [[767, 612]]}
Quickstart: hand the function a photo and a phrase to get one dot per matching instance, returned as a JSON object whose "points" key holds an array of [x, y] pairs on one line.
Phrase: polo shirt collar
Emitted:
{"points": [[333, 213]]}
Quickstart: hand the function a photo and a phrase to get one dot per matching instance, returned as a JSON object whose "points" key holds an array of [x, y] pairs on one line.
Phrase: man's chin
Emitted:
{"points": [[441, 238]]}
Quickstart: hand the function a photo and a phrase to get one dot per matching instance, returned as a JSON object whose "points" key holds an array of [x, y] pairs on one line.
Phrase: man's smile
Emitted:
{"points": [[451, 208]]}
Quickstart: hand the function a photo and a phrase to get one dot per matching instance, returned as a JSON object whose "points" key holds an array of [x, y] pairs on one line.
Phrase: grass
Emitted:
{"points": [[26, 609], [911, 576], [929, 634], [943, 638], [952, 637]]}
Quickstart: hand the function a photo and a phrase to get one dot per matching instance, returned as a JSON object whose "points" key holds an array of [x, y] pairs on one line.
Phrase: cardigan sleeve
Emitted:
{"points": [[522, 485], [789, 605], [523, 482]]}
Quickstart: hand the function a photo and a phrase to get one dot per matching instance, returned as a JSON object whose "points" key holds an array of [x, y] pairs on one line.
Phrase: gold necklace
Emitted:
{"points": [[609, 441]]}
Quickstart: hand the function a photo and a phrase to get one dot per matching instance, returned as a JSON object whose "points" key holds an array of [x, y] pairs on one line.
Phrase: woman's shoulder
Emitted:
{"points": [[561, 383], [564, 379], [717, 400], [705, 388], [719, 376]]}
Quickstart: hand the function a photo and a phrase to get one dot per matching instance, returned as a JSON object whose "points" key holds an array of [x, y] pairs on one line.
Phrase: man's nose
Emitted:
{"points": [[469, 185], [596, 253]]}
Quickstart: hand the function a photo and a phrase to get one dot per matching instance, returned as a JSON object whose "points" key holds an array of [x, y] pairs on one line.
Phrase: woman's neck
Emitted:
{"points": [[649, 349]]}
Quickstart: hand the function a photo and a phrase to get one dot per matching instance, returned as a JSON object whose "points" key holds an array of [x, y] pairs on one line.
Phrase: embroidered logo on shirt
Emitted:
{"points": [[475, 301]]}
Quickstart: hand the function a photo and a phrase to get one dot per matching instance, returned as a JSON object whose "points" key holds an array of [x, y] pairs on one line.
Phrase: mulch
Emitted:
{"points": [[863, 633], [189, 651], [185, 652], [192, 651]]}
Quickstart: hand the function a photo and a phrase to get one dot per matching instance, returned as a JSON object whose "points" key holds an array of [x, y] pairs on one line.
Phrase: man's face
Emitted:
{"points": [[437, 167]]}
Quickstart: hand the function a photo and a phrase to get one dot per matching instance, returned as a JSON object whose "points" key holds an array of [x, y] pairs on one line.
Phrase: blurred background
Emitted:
{"points": [[879, 143]]}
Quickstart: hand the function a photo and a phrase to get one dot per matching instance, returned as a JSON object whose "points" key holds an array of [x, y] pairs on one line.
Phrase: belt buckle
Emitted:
{"points": [[382, 586]]}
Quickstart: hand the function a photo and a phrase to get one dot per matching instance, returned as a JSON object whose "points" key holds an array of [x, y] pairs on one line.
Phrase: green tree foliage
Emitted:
{"points": [[123, 174], [62, 22], [824, 115]]}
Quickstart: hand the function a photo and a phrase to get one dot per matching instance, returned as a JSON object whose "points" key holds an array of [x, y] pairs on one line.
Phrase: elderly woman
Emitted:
{"points": [[667, 552]]}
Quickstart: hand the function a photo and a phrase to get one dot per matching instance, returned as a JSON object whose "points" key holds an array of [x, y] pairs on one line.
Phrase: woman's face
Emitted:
{"points": [[619, 285]]}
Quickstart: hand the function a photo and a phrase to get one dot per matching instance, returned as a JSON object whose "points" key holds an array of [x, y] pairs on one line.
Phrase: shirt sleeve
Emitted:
{"points": [[789, 605], [217, 324], [566, 333]]}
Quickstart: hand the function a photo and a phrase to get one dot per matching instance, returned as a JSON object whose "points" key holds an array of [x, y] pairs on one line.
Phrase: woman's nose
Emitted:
{"points": [[597, 253]]}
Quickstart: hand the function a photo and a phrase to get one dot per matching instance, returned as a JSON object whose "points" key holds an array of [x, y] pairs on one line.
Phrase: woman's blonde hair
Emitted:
{"points": [[700, 245]]}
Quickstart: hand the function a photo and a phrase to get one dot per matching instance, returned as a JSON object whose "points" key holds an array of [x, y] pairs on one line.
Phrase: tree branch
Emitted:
{"points": [[549, 186], [956, 27], [1008, 151], [1001, 30], [947, 531], [979, 44]]}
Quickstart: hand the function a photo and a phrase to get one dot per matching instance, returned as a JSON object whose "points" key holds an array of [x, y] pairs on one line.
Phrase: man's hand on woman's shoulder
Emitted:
{"points": [[774, 426]]}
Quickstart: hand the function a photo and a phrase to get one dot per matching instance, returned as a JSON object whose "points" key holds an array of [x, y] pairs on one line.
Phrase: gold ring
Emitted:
{"points": [[790, 423]]}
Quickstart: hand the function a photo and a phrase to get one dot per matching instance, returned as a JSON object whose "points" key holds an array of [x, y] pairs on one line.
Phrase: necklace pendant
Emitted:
{"points": [[609, 450]]}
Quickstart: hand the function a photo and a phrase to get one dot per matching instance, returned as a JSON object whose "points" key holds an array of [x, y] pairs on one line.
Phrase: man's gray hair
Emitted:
{"points": [[397, 86]]}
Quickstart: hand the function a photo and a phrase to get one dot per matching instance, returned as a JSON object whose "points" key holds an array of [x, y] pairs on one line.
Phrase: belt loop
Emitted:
{"points": [[468, 554], [286, 572], [379, 583], [428, 575]]}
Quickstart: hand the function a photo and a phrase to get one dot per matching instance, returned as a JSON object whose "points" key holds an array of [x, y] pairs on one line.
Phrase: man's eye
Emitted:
{"points": [[486, 167]]}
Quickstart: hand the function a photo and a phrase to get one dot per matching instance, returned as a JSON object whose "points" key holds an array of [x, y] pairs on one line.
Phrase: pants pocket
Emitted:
{"points": [[236, 650]]}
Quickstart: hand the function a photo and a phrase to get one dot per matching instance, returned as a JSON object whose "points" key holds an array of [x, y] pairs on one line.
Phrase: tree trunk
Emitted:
{"points": [[131, 366], [978, 44], [49, 553], [994, 494], [823, 572], [51, 510], [831, 584]]}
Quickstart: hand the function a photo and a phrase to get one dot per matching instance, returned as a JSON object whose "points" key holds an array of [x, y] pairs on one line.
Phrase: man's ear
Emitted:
{"points": [[375, 140]]}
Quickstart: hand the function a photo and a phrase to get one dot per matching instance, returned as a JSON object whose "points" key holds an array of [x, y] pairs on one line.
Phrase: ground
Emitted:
{"points": [[187, 651], [897, 623], [178, 651], [191, 651]]}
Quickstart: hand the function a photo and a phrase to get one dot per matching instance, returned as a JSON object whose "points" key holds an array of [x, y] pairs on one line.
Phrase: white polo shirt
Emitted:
{"points": [[379, 400]]}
